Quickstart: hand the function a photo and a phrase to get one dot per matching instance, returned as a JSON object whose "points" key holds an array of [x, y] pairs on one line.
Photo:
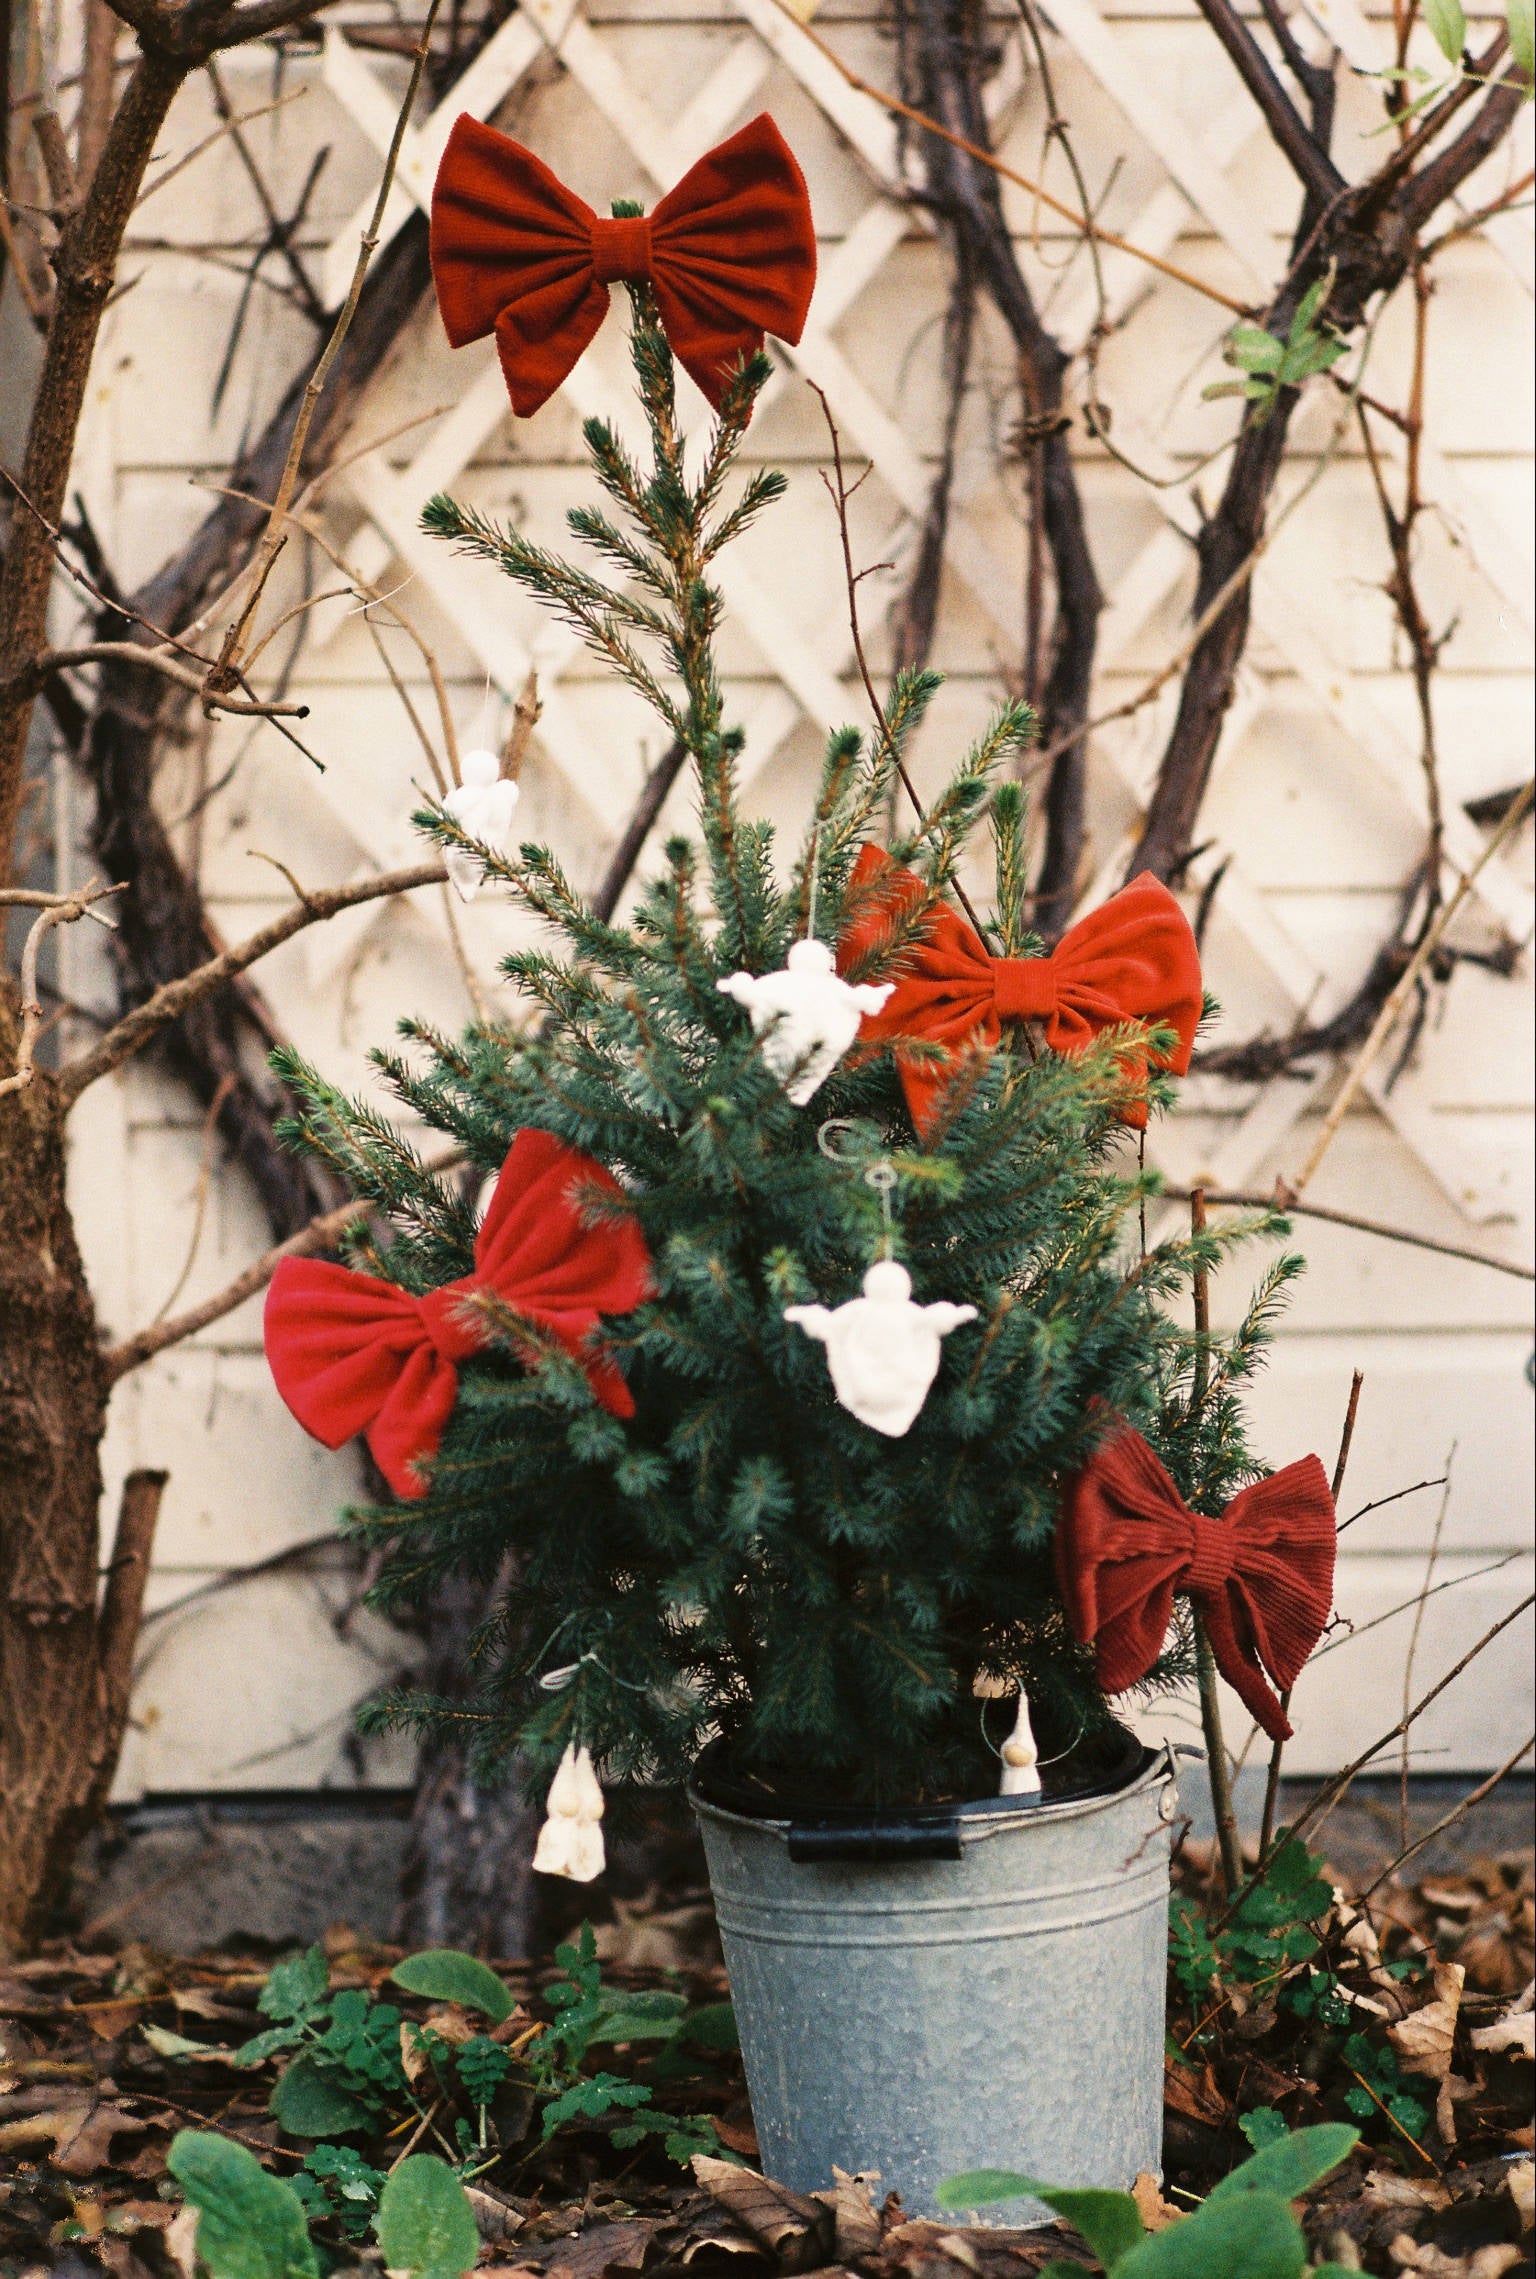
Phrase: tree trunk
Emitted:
{"points": [[52, 1414], [468, 1879]]}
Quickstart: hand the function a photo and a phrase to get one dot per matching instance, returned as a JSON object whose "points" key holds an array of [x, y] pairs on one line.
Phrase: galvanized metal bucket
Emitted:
{"points": [[976, 1987]]}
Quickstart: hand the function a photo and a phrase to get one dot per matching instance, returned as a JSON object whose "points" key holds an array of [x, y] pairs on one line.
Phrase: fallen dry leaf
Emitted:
{"points": [[856, 2219], [798, 2230], [1434, 2263], [108, 2021], [594, 2253], [494, 2219], [1154, 2211], [1514, 2030], [1425, 2039]]}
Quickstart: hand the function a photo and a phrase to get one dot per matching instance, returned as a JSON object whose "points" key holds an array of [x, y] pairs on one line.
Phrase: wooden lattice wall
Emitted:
{"points": [[1319, 802]]}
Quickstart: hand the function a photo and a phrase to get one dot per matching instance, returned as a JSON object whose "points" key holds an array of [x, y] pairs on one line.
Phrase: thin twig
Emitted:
{"points": [[1449, 1819], [169, 1002], [987, 158], [1338, 1782], [1341, 1462], [227, 668], [1386, 1020], [1426, 1591], [1283, 1201], [56, 910]]}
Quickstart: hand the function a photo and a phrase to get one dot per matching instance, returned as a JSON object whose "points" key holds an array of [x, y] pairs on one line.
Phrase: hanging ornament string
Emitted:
{"points": [[883, 1350], [805, 1014]]}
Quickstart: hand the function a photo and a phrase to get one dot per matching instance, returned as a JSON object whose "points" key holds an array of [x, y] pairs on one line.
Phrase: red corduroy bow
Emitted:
{"points": [[1133, 960], [350, 1353], [1261, 1575], [730, 253]]}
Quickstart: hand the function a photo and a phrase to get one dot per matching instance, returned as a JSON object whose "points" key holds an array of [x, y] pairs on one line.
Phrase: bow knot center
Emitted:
{"points": [[1025, 988], [1211, 1557], [621, 249], [455, 1334]]}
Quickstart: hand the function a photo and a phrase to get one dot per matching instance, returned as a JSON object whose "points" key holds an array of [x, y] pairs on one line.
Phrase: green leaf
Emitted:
{"points": [[426, 2225], [1291, 2166], [1253, 350], [445, 1975], [308, 2103], [1263, 2127], [262, 2046], [640, 2018], [1522, 34], [297, 1986], [713, 2027], [249, 2225], [1447, 21], [1108, 2221], [1252, 2236], [978, 2187]]}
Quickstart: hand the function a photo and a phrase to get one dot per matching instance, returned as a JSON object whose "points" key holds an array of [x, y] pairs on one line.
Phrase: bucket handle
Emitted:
{"points": [[811, 1841]]}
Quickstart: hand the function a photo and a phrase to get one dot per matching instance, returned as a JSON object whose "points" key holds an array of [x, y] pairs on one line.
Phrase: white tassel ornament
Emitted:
{"points": [[571, 1839], [806, 1014], [1021, 1759], [882, 1350], [482, 804]]}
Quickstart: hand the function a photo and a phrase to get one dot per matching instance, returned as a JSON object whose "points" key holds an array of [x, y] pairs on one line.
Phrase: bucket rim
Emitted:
{"points": [[973, 1818]]}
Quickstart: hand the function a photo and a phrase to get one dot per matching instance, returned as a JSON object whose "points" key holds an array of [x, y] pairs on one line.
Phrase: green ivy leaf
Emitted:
{"points": [[1522, 34], [297, 1986], [1447, 21], [310, 2103], [1253, 350], [262, 2046], [1108, 2221], [1263, 2127], [249, 2225], [426, 2225], [1291, 2166], [1251, 2236], [442, 1974]]}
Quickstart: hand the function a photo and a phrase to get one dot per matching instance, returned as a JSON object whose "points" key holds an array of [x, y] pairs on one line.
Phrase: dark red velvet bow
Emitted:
{"points": [[1261, 1575], [730, 254], [1133, 960], [351, 1353]]}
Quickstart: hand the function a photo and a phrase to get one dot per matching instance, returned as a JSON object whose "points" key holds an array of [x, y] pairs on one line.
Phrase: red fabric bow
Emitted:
{"points": [[1261, 1575], [351, 1353], [1133, 960], [730, 254]]}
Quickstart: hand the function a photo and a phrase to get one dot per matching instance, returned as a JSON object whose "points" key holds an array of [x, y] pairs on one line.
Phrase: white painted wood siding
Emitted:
{"points": [[1317, 798]]}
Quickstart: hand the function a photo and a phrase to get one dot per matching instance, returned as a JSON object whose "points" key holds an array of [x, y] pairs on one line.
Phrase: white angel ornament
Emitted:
{"points": [[1021, 1759], [482, 805], [571, 1839], [806, 1014], [882, 1350]]}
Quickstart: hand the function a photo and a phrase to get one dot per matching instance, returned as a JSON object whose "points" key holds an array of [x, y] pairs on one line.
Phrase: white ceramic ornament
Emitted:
{"points": [[806, 1014], [1021, 1759], [482, 805], [571, 1839], [882, 1350]]}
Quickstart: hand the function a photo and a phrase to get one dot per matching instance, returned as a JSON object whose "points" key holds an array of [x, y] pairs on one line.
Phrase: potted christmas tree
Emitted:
{"points": [[807, 1375]]}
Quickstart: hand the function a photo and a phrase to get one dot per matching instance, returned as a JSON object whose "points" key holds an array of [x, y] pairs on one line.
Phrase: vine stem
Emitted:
{"points": [[1205, 1660], [1272, 1779]]}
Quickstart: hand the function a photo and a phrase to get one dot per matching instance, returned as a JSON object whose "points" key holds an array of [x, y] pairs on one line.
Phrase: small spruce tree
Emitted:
{"points": [[742, 1557]]}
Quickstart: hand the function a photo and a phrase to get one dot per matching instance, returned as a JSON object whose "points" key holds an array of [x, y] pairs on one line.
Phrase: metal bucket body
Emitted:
{"points": [[919, 2016]]}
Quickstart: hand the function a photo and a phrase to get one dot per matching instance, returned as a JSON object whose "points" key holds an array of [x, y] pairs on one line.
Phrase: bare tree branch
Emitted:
{"points": [[168, 1003], [56, 910], [1309, 160]]}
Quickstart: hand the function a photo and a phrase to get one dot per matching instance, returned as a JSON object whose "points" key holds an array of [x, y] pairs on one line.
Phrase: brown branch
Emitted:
{"points": [[225, 673], [54, 910], [1387, 1017], [1308, 158], [942, 44], [1448, 1820], [322, 1233], [1334, 1787], [984, 157], [638, 829], [175, 998], [1291, 1205], [117, 1628]]}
